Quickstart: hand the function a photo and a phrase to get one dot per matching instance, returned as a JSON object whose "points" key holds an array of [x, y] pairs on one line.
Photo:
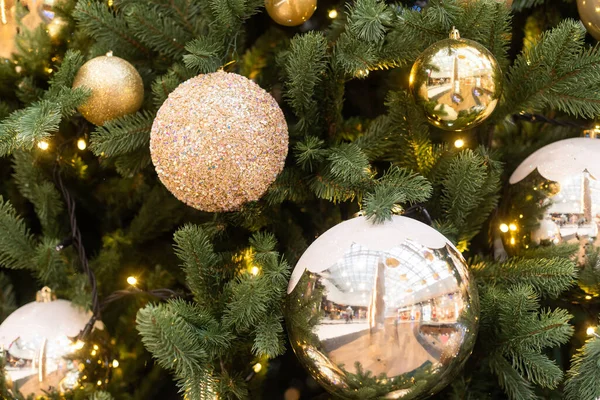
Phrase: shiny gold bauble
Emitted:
{"points": [[458, 82], [290, 12], [367, 328], [40, 352], [117, 89], [589, 13]]}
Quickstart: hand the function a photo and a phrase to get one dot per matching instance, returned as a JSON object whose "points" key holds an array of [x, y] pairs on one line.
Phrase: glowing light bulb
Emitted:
{"points": [[504, 228], [43, 145], [115, 364], [78, 345], [132, 280], [512, 241], [512, 227], [81, 144], [254, 271], [588, 297], [99, 383], [257, 367], [590, 331], [458, 143], [332, 14]]}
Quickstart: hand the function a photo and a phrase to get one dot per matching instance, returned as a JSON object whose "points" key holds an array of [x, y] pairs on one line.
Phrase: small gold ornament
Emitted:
{"points": [[589, 15], [290, 12], [458, 81], [218, 141], [117, 88]]}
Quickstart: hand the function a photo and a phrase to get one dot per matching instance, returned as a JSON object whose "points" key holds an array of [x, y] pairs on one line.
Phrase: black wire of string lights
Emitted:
{"points": [[76, 241]]}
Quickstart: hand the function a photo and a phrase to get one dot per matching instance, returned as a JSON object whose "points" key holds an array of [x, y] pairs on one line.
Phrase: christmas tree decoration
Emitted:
{"points": [[589, 15], [290, 12], [573, 164], [458, 82], [391, 309], [40, 352], [218, 141], [117, 88], [547, 231]]}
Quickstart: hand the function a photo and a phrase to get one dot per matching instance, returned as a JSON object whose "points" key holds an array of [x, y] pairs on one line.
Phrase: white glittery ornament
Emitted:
{"points": [[219, 141]]}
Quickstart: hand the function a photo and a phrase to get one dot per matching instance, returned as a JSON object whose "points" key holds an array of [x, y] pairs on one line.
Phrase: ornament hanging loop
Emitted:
{"points": [[454, 33], [45, 295]]}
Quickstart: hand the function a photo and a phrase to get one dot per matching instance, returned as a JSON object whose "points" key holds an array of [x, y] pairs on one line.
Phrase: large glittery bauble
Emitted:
{"points": [[589, 15], [382, 311], [41, 354], [573, 164], [218, 141], [117, 89], [290, 12], [458, 82]]}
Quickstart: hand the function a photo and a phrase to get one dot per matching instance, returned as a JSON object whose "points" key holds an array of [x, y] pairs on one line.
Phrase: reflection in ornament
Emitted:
{"points": [[575, 166], [547, 231], [39, 351], [397, 332], [458, 81]]}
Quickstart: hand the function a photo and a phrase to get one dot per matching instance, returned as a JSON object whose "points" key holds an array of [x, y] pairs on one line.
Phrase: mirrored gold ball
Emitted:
{"points": [[589, 13], [290, 12], [117, 89], [458, 82]]}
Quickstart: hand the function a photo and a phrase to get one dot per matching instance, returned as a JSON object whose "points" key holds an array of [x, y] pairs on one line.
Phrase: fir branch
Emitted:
{"points": [[194, 248], [172, 340], [108, 28], [157, 31], [309, 152], [16, 243], [537, 368], [556, 72], [129, 164], [64, 76], [122, 135], [515, 386], [148, 224], [42, 193], [268, 339], [8, 302], [304, 65], [206, 55], [368, 20], [348, 165], [165, 84], [583, 378], [550, 277]]}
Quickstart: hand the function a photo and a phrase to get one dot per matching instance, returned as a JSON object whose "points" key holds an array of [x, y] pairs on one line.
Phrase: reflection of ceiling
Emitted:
{"points": [[570, 197], [413, 273], [471, 62]]}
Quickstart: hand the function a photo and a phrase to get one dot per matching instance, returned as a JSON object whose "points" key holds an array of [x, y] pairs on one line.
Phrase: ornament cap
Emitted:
{"points": [[45, 295], [454, 33]]}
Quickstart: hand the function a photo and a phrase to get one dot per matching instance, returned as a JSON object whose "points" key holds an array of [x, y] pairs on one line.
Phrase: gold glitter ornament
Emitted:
{"points": [[458, 82], [590, 16], [218, 141], [290, 12], [117, 88]]}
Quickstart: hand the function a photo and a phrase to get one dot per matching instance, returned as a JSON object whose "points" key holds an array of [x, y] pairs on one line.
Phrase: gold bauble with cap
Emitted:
{"points": [[290, 12], [117, 88], [458, 82]]}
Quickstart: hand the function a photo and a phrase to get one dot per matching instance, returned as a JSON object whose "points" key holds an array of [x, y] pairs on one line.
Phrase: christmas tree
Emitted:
{"points": [[175, 213]]}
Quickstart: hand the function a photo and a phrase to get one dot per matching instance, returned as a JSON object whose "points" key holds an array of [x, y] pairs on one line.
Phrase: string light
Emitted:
{"points": [[81, 144], [591, 331], [512, 227], [588, 297], [512, 241], [115, 363], [333, 14], [254, 271], [132, 280], [99, 383], [504, 228], [458, 143], [257, 367], [78, 345], [43, 145]]}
